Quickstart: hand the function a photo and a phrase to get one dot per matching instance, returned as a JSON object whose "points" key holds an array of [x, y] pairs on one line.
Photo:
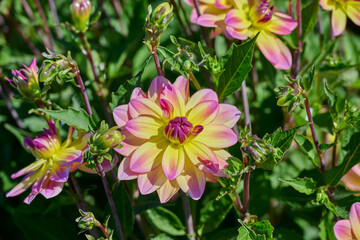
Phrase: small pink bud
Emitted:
{"points": [[80, 13]]}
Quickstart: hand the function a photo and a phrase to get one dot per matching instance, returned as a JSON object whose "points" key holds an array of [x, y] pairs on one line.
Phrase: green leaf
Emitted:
{"points": [[332, 100], [78, 119], [169, 58], [235, 166], [122, 95], [165, 221], [18, 133], [323, 198], [307, 147], [264, 228], [326, 228], [162, 236], [349, 155], [324, 121], [309, 16], [306, 83], [237, 64], [225, 234], [324, 147], [303, 185], [212, 214]]}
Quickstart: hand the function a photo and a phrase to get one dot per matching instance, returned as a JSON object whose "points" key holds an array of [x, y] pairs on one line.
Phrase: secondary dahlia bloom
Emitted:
{"points": [[252, 16], [340, 10], [351, 179], [173, 141], [54, 161], [212, 15], [349, 229]]}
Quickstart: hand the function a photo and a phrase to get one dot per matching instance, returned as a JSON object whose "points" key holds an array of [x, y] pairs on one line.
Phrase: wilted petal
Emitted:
{"points": [[222, 157], [121, 115], [124, 171], [144, 127], [342, 230], [173, 161], [354, 218], [281, 24], [151, 181], [338, 21], [202, 157], [228, 115], [203, 113], [167, 190], [217, 136]]}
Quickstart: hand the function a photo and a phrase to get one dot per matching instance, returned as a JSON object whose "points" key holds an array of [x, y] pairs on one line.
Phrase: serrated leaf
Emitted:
{"points": [[332, 100], [169, 58], [264, 228], [309, 16], [78, 119], [122, 95], [237, 65], [307, 147], [235, 166], [165, 221], [349, 155], [303, 185]]}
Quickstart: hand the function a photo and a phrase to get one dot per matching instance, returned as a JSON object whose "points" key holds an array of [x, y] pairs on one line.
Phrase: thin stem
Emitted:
{"points": [[46, 25], [188, 216], [334, 155], [176, 9], [332, 38], [195, 81], [110, 199], [83, 91], [104, 230], [297, 53], [196, 2], [238, 203], [156, 60], [99, 92], [290, 7], [56, 19], [245, 105], [12, 111], [312, 127], [185, 16]]}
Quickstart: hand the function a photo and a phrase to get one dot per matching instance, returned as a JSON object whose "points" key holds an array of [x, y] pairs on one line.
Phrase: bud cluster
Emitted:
{"points": [[86, 221]]}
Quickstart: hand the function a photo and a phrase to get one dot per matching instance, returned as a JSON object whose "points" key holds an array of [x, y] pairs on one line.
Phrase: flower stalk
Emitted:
{"points": [[82, 89], [188, 216]]}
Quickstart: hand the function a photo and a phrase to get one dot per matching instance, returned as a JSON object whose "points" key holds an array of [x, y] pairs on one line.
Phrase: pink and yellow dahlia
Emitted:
{"points": [[340, 10], [351, 179], [54, 161], [349, 229], [212, 14], [252, 16], [174, 141]]}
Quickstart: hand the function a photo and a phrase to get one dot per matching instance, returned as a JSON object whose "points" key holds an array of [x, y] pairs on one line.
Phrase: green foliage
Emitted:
{"points": [[258, 231], [303, 185], [309, 15], [165, 221]]}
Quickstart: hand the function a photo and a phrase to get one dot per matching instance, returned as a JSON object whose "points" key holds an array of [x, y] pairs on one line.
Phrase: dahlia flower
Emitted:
{"points": [[351, 179], [340, 10], [174, 141], [252, 16], [349, 229], [54, 161]]}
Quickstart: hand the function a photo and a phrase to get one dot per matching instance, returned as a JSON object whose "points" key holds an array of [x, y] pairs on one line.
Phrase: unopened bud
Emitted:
{"points": [[109, 139], [80, 14], [87, 220]]}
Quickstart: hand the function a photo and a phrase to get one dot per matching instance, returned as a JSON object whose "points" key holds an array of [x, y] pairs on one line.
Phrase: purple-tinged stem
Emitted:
{"points": [[196, 3], [103, 230], [83, 90], [46, 25], [156, 59], [19, 31], [176, 9], [110, 199], [185, 16], [297, 54], [290, 8], [56, 19], [119, 11], [316, 141], [12, 111], [188, 216], [334, 155], [245, 105], [99, 86], [332, 38]]}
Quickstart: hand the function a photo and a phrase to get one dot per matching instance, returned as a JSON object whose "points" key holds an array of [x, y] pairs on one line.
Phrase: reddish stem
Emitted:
{"points": [[104, 230], [188, 216], [83, 91]]}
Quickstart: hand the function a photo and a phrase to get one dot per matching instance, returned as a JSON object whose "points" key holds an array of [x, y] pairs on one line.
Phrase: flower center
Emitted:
{"points": [[261, 13], [180, 129]]}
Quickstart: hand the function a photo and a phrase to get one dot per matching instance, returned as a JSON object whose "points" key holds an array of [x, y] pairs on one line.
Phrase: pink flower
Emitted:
{"points": [[252, 16], [349, 229], [54, 161], [173, 141], [340, 10], [351, 179]]}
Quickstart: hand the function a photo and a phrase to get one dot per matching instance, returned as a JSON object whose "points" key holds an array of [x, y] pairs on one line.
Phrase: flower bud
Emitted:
{"points": [[111, 138], [80, 14], [26, 81], [163, 14], [87, 220]]}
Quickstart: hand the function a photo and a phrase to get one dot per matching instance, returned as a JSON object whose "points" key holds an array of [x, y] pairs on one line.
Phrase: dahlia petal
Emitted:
{"points": [[174, 96], [151, 181], [183, 85], [137, 92], [143, 127], [81, 141], [238, 34], [129, 144], [27, 181], [351, 180], [147, 157], [173, 161], [281, 24], [338, 21], [228, 115], [144, 107], [202, 157], [167, 190], [156, 87], [120, 115], [237, 18], [217, 136], [342, 230], [43, 175], [209, 20], [203, 113], [30, 197], [222, 4], [59, 173], [124, 171], [353, 11], [52, 189], [222, 157], [274, 50], [68, 156], [201, 96], [192, 181], [354, 218], [326, 5], [32, 167]]}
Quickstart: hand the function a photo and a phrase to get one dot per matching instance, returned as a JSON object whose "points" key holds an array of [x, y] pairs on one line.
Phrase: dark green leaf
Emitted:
{"points": [[225, 234], [162, 236], [306, 83], [324, 147], [264, 228], [306, 147], [235, 166], [332, 100], [237, 64], [78, 119], [165, 221], [303, 185], [349, 155], [309, 16], [18, 133], [324, 121], [326, 228]]}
